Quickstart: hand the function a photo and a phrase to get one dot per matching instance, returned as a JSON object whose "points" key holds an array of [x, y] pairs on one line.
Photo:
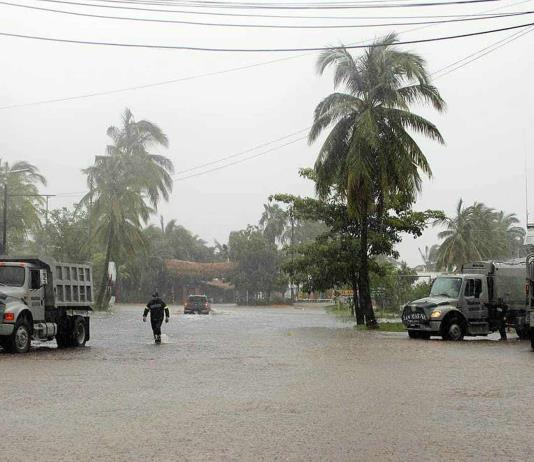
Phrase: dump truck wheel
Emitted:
{"points": [[78, 333], [413, 334], [21, 338]]}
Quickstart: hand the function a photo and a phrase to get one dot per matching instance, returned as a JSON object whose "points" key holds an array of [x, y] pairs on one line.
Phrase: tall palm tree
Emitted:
{"points": [[125, 187], [369, 154], [23, 180]]}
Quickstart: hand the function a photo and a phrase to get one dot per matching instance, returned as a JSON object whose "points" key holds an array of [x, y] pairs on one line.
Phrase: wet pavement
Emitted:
{"points": [[265, 384]]}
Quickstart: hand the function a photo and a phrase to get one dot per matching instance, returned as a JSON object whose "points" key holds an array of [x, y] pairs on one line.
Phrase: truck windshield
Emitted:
{"points": [[446, 287], [12, 276]]}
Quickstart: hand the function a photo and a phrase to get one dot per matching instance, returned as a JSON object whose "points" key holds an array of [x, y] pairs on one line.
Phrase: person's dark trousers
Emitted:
{"points": [[156, 326]]}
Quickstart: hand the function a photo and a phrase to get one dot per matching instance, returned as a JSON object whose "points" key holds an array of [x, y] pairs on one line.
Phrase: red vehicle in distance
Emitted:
{"points": [[197, 304]]}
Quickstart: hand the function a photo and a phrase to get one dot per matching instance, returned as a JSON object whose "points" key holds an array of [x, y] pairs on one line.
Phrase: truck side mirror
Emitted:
{"points": [[44, 277]]}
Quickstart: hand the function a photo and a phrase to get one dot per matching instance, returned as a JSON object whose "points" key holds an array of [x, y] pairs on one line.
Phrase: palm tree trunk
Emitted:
{"points": [[356, 305], [105, 274], [366, 304]]}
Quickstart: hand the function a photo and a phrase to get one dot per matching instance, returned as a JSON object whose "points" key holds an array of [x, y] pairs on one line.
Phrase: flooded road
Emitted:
{"points": [[265, 384]]}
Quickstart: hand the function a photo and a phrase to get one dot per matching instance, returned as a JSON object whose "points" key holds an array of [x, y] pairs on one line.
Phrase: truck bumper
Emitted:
{"points": [[6, 329], [431, 326]]}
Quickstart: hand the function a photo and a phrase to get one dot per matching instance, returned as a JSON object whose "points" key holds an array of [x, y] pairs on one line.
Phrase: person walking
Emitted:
{"points": [[156, 306]]}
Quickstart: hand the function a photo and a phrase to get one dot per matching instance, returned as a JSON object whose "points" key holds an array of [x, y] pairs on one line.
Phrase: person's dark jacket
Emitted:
{"points": [[156, 307]]}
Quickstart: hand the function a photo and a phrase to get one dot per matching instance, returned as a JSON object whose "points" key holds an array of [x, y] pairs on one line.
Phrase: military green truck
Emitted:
{"points": [[41, 299], [471, 302]]}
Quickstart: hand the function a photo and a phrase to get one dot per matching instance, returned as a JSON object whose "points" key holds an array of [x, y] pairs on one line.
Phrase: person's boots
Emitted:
{"points": [[158, 338]]}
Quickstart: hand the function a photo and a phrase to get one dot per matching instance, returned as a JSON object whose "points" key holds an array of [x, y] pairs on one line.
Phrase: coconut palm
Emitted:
{"points": [[429, 256], [273, 222], [125, 187], [475, 233], [22, 180], [369, 154]]}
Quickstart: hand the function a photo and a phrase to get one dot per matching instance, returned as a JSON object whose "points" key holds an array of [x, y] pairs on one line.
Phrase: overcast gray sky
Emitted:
{"points": [[487, 125]]}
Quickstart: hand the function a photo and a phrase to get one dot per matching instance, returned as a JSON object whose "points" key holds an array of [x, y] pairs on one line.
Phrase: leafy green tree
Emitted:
{"points": [[66, 236], [258, 263], [369, 153], [125, 187], [24, 205]]}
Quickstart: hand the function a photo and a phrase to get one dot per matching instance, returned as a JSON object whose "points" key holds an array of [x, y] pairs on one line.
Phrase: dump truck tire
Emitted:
{"points": [[21, 338], [78, 333]]}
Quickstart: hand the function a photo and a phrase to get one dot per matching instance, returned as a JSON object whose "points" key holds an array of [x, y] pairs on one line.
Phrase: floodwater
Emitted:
{"points": [[265, 384]]}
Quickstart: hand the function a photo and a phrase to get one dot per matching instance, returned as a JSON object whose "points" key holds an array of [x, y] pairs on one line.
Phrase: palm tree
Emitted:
{"points": [[125, 187], [475, 233], [429, 256], [24, 204], [273, 222], [369, 154]]}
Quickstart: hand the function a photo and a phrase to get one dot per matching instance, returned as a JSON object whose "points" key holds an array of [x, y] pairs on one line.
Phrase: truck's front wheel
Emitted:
{"points": [[454, 330], [21, 338]]}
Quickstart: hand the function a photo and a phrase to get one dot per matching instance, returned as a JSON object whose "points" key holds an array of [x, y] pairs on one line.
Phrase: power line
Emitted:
{"points": [[208, 74], [361, 5], [241, 160], [241, 152], [247, 15], [456, 65], [258, 50], [268, 26]]}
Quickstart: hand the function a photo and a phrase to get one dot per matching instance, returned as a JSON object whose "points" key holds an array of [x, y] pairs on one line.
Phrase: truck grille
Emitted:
{"points": [[413, 315]]}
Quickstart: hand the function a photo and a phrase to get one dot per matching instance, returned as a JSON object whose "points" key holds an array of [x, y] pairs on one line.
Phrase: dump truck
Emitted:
{"points": [[41, 299], [471, 302]]}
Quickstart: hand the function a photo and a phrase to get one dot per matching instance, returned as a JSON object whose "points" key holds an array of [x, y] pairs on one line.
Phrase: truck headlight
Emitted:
{"points": [[435, 314]]}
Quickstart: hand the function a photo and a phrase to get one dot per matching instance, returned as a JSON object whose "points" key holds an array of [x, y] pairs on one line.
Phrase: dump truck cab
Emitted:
{"points": [[42, 300]]}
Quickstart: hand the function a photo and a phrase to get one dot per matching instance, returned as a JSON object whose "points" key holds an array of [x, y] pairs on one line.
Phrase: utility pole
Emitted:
{"points": [[292, 221]]}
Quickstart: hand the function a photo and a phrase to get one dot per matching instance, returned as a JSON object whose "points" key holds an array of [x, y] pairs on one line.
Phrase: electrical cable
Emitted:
{"points": [[208, 74], [249, 15], [329, 5], [258, 50], [110, 4], [269, 26]]}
